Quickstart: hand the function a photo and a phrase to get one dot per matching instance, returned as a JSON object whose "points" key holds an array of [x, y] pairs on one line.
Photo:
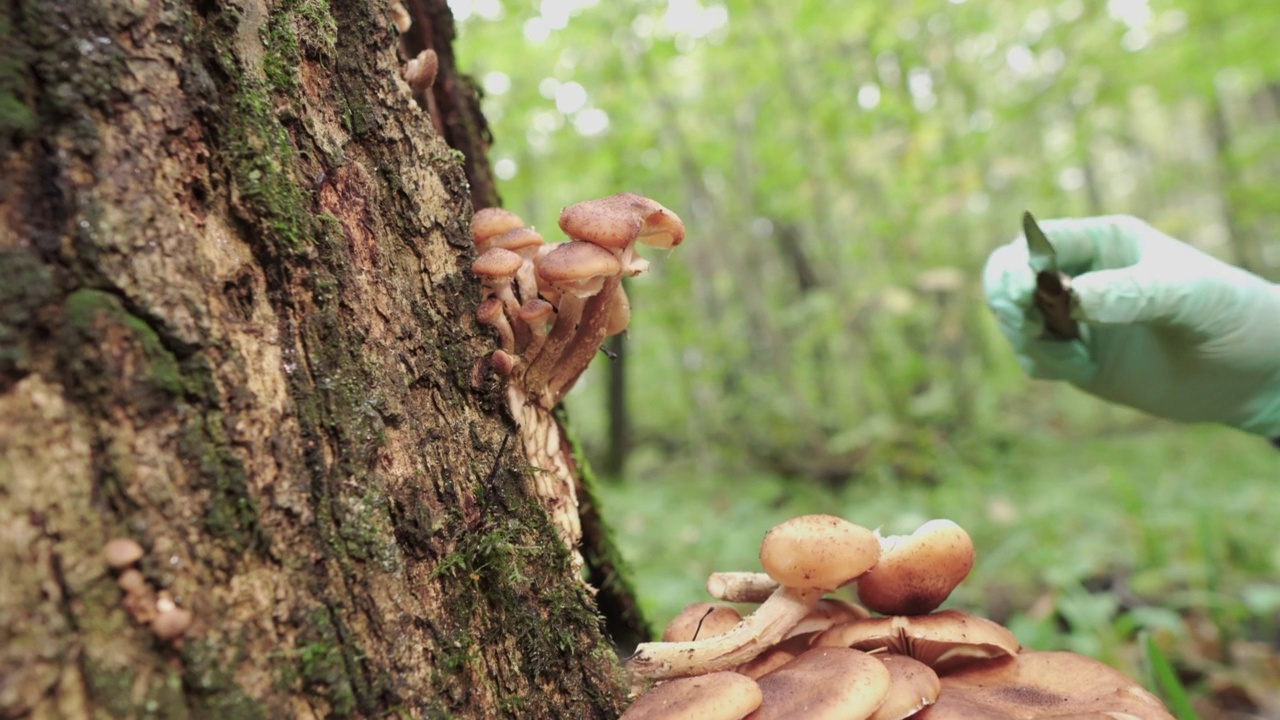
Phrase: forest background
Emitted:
{"points": [[820, 344]]}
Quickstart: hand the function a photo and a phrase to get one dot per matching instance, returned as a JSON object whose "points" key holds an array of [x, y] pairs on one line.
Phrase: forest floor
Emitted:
{"points": [[1103, 546]]}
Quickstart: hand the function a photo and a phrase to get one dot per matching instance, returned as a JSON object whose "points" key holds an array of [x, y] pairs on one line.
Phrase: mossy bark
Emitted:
{"points": [[235, 326]]}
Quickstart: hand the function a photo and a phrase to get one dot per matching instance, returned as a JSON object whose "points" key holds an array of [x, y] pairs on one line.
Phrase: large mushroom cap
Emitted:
{"points": [[1042, 685], [917, 572], [578, 267], [941, 640], [620, 220], [715, 696], [818, 551], [822, 684]]}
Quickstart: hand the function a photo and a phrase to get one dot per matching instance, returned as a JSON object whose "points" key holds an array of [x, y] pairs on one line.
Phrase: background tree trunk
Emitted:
{"points": [[235, 326]]}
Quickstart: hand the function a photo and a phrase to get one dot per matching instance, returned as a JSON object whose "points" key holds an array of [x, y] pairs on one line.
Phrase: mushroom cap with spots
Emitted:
{"points": [[822, 684], [818, 551], [1042, 685], [619, 220], [715, 696], [917, 572], [523, 241], [496, 263], [578, 268], [942, 640], [491, 222]]}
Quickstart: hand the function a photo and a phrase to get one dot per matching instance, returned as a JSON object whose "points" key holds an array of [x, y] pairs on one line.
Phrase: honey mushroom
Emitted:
{"points": [[808, 556], [939, 665]]}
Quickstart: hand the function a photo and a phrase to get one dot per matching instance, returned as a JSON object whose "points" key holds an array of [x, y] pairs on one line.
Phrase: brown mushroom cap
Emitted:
{"points": [[491, 222], [523, 241], [912, 686], [824, 683], [170, 624], [613, 222], [578, 267], [1042, 685], [818, 551], [496, 263], [917, 572], [700, 620], [942, 640], [122, 552], [132, 582], [714, 696]]}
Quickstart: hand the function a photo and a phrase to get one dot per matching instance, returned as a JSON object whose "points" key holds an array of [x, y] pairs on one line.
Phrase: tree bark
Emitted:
{"points": [[236, 327]]}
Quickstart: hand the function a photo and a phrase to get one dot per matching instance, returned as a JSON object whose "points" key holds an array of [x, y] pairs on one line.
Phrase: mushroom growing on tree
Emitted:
{"points": [[559, 301]]}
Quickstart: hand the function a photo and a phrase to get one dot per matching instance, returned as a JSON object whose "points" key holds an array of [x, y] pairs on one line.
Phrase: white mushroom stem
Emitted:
{"points": [[747, 587], [527, 281], [758, 632]]}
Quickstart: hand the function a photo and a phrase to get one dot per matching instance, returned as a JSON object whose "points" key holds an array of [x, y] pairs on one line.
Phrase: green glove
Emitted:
{"points": [[1164, 327]]}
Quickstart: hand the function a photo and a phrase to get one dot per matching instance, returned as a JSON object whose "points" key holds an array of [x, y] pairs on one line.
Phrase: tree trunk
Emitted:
{"points": [[236, 327]]}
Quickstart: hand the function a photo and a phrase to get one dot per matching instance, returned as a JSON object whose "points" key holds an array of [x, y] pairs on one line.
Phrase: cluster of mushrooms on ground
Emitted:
{"points": [[803, 655], [800, 653]]}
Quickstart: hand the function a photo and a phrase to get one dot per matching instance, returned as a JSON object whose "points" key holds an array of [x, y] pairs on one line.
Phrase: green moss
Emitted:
{"points": [[231, 514], [210, 687], [322, 660], [26, 286], [109, 688], [280, 57], [89, 316]]}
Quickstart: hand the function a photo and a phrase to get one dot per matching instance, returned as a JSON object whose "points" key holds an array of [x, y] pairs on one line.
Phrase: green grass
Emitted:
{"points": [[1083, 544]]}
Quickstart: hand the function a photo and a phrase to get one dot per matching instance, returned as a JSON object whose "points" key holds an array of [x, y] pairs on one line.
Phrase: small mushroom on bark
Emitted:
{"points": [[492, 312], [536, 315], [120, 553], [619, 312], [525, 242], [491, 222], [496, 268], [818, 551], [618, 222]]}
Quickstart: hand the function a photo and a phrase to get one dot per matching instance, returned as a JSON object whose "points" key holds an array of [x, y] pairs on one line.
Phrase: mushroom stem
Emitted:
{"points": [[748, 587], [758, 632], [583, 346], [527, 281], [562, 332]]}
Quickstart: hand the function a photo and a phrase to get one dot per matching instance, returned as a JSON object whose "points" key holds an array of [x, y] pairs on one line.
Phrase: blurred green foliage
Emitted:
{"points": [[819, 343]]}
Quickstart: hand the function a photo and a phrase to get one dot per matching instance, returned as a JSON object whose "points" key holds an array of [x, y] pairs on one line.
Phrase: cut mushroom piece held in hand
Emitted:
{"points": [[917, 572]]}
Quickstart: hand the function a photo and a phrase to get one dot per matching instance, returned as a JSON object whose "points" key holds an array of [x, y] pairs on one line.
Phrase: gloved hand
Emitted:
{"points": [[1164, 327]]}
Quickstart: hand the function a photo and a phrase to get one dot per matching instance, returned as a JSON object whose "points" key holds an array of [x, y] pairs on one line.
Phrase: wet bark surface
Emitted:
{"points": [[236, 327]]}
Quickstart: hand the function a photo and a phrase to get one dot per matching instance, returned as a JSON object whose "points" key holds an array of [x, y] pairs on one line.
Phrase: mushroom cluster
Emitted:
{"points": [[551, 306], [158, 610], [800, 654]]}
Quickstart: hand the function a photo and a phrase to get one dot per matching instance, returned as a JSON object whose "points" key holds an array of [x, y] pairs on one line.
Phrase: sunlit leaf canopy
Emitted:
{"points": [[844, 168]]}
